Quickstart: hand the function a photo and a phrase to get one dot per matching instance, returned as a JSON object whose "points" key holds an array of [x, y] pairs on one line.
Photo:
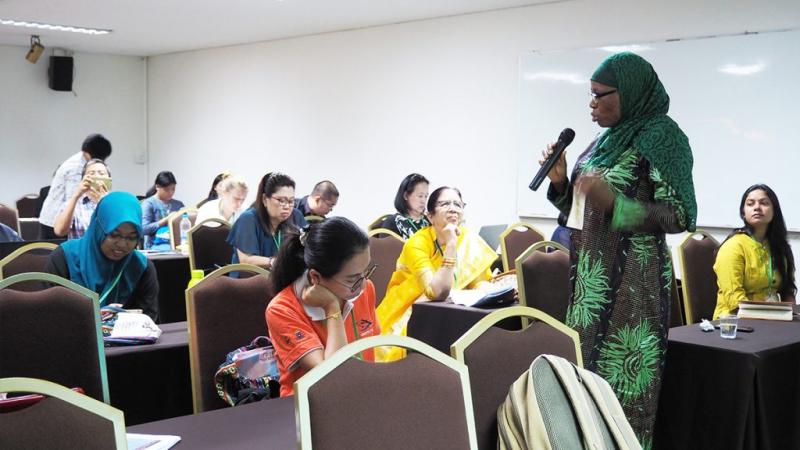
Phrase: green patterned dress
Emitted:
{"points": [[621, 267]]}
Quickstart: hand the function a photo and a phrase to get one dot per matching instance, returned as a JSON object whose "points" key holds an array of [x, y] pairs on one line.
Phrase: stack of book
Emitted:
{"points": [[766, 310]]}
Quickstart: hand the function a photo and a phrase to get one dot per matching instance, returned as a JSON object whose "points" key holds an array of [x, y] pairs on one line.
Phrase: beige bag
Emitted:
{"points": [[557, 405]]}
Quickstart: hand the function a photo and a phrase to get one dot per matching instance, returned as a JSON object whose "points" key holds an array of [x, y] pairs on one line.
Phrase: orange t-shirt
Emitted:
{"points": [[294, 334]]}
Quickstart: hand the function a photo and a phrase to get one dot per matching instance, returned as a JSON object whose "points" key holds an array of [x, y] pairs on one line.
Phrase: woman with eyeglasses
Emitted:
{"points": [[325, 298], [410, 205], [755, 263], [435, 260], [105, 259], [259, 232], [630, 187]]}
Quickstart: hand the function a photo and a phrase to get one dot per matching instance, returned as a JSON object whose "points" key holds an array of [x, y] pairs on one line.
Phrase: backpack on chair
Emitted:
{"points": [[556, 404]]}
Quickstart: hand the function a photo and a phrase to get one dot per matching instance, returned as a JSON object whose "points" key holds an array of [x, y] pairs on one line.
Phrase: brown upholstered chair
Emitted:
{"points": [[26, 206], [515, 240], [208, 248], [385, 247], [543, 278], [377, 222], [28, 258], [29, 228], [175, 225], [63, 419], [496, 358], [676, 315], [52, 334], [697, 254], [223, 314], [9, 217], [421, 401]]}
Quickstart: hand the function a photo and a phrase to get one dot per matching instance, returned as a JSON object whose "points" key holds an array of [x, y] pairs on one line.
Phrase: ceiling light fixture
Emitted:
{"points": [[51, 27]]}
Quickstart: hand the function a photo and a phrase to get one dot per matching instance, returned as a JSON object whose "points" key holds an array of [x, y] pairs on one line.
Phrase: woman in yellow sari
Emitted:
{"points": [[434, 260]]}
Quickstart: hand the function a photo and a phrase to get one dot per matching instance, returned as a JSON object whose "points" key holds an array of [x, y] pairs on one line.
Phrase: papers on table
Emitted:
{"points": [[151, 441]]}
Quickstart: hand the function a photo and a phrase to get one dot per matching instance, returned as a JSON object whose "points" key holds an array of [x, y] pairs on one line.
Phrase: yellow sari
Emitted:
{"points": [[419, 260]]}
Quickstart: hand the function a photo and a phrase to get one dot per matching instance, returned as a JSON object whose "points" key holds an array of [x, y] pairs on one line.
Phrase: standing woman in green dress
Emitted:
{"points": [[630, 187]]}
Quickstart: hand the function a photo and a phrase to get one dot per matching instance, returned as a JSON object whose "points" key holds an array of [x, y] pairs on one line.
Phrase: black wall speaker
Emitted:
{"points": [[60, 73]]}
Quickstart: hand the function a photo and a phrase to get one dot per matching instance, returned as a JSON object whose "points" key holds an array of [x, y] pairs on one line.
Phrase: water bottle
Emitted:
{"points": [[185, 226], [197, 276]]}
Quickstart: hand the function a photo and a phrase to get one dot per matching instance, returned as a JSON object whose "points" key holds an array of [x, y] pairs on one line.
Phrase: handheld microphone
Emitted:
{"points": [[564, 139]]}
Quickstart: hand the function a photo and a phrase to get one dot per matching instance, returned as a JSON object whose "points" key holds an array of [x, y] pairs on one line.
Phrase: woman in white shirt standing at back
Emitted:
{"points": [[228, 207]]}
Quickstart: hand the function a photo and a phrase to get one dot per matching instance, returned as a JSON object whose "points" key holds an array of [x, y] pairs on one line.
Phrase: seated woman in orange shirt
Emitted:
{"points": [[325, 298]]}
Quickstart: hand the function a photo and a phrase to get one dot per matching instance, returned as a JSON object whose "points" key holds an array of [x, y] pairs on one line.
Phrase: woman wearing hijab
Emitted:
{"points": [[105, 259], [630, 187]]}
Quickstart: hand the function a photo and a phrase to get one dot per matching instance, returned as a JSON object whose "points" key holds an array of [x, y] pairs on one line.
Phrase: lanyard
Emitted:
{"points": [[355, 330], [411, 222], [768, 266], [769, 277], [110, 288], [277, 241]]}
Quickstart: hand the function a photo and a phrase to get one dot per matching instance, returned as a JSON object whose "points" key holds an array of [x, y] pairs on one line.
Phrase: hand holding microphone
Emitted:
{"points": [[554, 161]]}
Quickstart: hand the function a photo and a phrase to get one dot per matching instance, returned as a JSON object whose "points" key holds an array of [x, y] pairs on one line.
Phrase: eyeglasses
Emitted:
{"points": [[116, 238], [284, 201], [357, 284], [455, 204], [594, 96]]}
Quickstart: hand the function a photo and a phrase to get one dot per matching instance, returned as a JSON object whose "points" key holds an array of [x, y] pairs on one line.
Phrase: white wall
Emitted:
{"points": [[366, 107], [40, 128]]}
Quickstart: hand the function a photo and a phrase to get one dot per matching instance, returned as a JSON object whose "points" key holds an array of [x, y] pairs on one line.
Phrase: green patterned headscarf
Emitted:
{"points": [[645, 126]]}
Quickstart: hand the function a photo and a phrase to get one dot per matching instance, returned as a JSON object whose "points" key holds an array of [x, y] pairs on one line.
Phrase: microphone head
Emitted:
{"points": [[566, 136]]}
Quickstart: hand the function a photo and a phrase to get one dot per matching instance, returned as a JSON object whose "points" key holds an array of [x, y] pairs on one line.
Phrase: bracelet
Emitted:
{"points": [[449, 262], [336, 315]]}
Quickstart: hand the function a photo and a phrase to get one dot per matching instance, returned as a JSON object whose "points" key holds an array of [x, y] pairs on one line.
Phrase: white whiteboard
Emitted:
{"points": [[737, 98]]}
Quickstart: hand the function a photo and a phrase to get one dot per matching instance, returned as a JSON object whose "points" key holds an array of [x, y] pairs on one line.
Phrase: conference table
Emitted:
{"points": [[152, 382], [440, 324], [737, 394], [173, 276], [265, 425]]}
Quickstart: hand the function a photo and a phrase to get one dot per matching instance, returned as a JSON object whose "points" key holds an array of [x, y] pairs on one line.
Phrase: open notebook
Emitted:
{"points": [[500, 292]]}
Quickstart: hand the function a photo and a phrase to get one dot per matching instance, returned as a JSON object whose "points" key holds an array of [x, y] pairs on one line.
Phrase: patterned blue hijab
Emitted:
{"points": [[89, 267]]}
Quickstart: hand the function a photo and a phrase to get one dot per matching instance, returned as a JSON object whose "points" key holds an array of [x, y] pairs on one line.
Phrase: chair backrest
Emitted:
{"points": [[208, 248], [52, 334], [26, 206], [421, 401], [29, 228], [314, 218], [9, 217], [63, 419], [515, 240], [28, 258], [175, 224], [385, 247], [543, 278], [377, 222], [496, 358], [697, 254], [676, 313], [491, 234], [222, 315]]}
